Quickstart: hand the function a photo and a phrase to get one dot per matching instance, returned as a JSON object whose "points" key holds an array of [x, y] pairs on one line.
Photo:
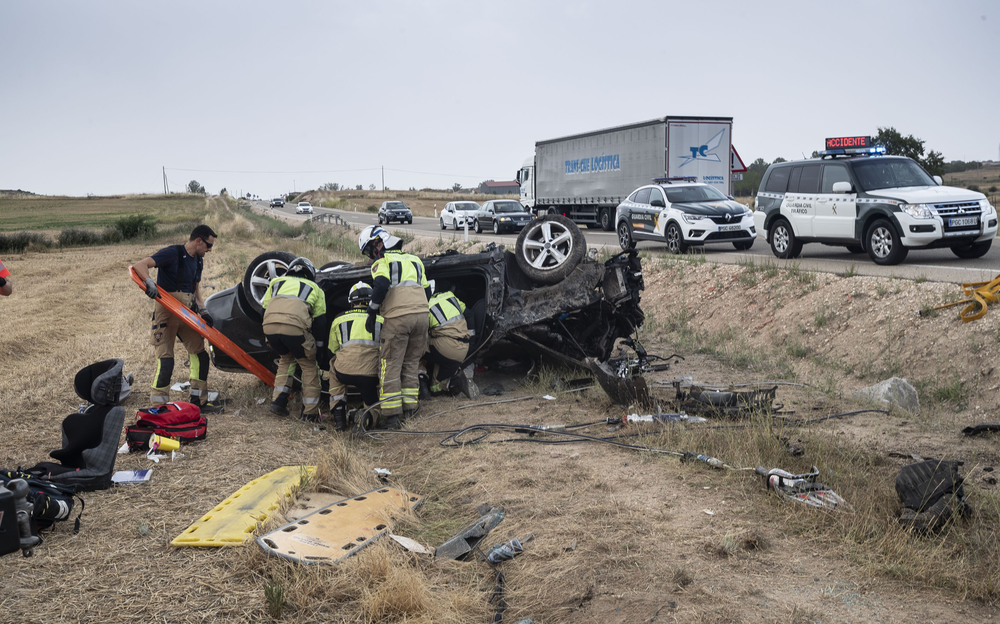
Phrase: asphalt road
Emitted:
{"points": [[939, 265]]}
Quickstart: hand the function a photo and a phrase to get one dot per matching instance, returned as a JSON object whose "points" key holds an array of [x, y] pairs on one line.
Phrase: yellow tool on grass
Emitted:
{"points": [[980, 294]]}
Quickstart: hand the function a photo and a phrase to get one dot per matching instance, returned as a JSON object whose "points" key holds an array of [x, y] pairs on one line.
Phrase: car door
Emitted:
{"points": [[486, 216], [835, 213], [803, 190], [643, 216], [448, 216]]}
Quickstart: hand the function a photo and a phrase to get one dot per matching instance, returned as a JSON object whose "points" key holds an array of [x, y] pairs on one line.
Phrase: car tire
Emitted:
{"points": [[743, 245], [975, 250], [496, 227], [548, 249], [607, 220], [884, 245], [380, 219], [674, 238], [476, 227], [443, 226], [783, 242], [625, 240], [855, 249], [454, 224], [259, 274], [409, 221]]}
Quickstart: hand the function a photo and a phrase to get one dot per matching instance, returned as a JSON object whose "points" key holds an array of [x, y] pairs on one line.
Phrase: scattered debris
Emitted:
{"points": [[468, 538], [504, 552], [975, 430], [411, 545], [802, 488], [932, 493]]}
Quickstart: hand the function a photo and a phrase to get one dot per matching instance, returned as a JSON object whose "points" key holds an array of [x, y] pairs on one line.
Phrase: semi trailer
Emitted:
{"points": [[585, 176]]}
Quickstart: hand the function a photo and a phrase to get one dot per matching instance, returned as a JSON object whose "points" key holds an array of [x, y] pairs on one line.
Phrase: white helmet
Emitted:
{"points": [[360, 292], [373, 232]]}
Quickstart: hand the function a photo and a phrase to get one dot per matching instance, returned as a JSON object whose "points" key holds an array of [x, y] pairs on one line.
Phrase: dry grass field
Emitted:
{"points": [[620, 535]]}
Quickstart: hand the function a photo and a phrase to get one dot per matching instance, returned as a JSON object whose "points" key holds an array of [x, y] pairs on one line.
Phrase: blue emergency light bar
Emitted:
{"points": [[874, 150]]}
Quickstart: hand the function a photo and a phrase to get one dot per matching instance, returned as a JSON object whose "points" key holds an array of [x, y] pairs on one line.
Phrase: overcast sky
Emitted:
{"points": [[98, 96]]}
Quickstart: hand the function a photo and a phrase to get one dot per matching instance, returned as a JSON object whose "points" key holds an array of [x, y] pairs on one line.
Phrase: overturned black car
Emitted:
{"points": [[548, 297]]}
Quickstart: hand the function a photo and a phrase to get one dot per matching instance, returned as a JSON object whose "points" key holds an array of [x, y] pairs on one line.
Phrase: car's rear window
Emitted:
{"points": [[777, 182]]}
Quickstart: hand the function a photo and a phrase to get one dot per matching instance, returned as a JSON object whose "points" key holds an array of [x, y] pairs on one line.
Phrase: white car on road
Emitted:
{"points": [[304, 208], [457, 213]]}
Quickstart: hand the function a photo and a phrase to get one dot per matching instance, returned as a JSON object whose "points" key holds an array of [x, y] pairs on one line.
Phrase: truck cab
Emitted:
{"points": [[526, 179]]}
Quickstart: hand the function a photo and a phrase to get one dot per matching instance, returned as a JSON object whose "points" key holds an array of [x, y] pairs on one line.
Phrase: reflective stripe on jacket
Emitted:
{"points": [[293, 301]]}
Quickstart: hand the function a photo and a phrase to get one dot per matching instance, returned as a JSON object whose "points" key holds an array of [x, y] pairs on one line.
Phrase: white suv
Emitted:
{"points": [[304, 208], [682, 214], [858, 199]]}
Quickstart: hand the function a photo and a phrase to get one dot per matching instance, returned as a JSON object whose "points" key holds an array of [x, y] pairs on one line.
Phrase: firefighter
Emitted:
{"points": [[355, 354], [399, 294], [448, 340], [295, 328], [178, 271]]}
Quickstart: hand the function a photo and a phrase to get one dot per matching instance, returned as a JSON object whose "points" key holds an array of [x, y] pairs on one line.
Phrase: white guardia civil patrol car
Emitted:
{"points": [[856, 197], [683, 214]]}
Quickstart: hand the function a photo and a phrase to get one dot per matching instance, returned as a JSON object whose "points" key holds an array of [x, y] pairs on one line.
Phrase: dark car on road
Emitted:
{"points": [[394, 211], [501, 215], [547, 297], [277, 202]]}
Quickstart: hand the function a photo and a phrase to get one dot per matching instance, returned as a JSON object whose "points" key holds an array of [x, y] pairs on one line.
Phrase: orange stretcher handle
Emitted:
{"points": [[212, 335]]}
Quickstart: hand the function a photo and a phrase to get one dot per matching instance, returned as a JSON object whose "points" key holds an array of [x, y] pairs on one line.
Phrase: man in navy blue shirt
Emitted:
{"points": [[179, 273]]}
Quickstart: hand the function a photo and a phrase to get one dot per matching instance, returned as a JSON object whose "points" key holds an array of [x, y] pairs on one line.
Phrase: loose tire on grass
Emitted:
{"points": [[549, 248]]}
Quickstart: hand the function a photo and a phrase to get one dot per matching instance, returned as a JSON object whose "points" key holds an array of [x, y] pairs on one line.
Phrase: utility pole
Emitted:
{"points": [[166, 189], [383, 178]]}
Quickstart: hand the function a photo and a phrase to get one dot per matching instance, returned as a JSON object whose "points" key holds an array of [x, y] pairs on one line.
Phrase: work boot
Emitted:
{"points": [[211, 408], [310, 417], [409, 413], [340, 417], [426, 390], [461, 383], [392, 422], [279, 406]]}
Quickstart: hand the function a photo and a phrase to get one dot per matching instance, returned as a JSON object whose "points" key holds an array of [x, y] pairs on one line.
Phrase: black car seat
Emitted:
{"points": [[90, 437]]}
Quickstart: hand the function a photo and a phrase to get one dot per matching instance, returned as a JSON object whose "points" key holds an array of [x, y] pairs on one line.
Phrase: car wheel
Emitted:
{"points": [[496, 227], [259, 274], [855, 249], [409, 221], [783, 241], [548, 249], [975, 250], [476, 227], [625, 236], [443, 226], [454, 224], [884, 246], [607, 220], [380, 219], [674, 239], [743, 245]]}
